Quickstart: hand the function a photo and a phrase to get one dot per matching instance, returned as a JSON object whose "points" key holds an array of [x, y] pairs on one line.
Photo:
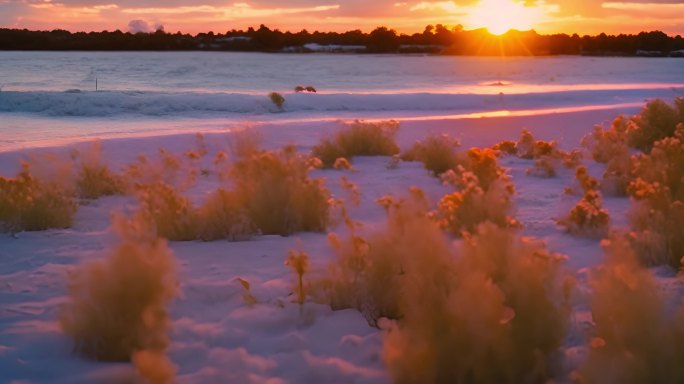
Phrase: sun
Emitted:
{"points": [[500, 16]]}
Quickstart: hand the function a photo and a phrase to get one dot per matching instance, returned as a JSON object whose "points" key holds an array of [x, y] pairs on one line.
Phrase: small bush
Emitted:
{"points": [[436, 152], [117, 306], [359, 139], [657, 219], [586, 182], [277, 193], [658, 120], [634, 339], [506, 148], [172, 214], [464, 210], [498, 314], [479, 162], [94, 177], [369, 269], [530, 148], [606, 144], [29, 204], [587, 218], [222, 216], [544, 166], [167, 168], [277, 99]]}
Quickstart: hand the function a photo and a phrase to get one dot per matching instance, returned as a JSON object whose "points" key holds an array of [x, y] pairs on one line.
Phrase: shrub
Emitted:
{"points": [[277, 99], [606, 144], [656, 121], [506, 147], [117, 306], [657, 219], [499, 314], [479, 162], [544, 166], [369, 269], [222, 216], [586, 182], [464, 210], [529, 148], [167, 168], [94, 177], [277, 193], [634, 339], [172, 214], [342, 163], [29, 204], [436, 152], [587, 218], [359, 139]]}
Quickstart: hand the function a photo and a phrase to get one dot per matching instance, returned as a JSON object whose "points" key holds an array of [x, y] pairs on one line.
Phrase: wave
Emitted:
{"points": [[115, 103]]}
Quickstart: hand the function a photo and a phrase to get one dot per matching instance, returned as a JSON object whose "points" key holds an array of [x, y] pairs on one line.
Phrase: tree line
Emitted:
{"points": [[434, 39]]}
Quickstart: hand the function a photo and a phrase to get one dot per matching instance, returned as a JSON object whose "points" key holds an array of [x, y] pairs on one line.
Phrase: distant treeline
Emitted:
{"points": [[434, 39]]}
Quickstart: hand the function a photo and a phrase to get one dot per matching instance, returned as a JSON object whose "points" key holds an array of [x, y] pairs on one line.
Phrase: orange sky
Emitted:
{"points": [[545, 16]]}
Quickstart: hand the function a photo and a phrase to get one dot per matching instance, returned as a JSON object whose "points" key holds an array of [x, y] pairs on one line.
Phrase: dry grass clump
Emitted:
{"points": [[117, 306], [272, 194], [498, 314], [298, 261], [438, 153], [657, 120], [369, 269], [167, 168], [29, 204], [359, 139], [587, 217], [484, 194], [529, 148], [506, 147], [657, 219], [635, 339], [610, 146], [172, 214], [222, 216], [94, 178], [606, 144], [277, 193]]}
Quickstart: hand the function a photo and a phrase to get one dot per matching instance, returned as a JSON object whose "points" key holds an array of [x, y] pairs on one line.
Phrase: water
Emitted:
{"points": [[49, 96]]}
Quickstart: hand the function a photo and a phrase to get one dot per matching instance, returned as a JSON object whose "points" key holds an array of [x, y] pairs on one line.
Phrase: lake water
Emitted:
{"points": [[49, 96]]}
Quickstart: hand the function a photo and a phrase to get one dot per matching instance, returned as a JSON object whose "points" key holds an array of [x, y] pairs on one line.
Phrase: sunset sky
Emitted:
{"points": [[545, 16]]}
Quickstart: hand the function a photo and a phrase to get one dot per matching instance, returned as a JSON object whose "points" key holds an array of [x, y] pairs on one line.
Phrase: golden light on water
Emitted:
{"points": [[500, 16]]}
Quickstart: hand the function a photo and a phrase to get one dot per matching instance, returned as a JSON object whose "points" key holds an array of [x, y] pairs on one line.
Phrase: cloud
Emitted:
{"points": [[142, 26]]}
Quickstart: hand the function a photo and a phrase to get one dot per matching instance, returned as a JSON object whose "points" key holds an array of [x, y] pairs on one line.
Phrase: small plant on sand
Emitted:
{"points": [[636, 339], [464, 210], [369, 268], [277, 99], [496, 314], [277, 193], [172, 214], [587, 217], [606, 144], [530, 148], [117, 306], [506, 148], [657, 217], [359, 139], [222, 216], [94, 178], [436, 152], [298, 261], [29, 204], [657, 120]]}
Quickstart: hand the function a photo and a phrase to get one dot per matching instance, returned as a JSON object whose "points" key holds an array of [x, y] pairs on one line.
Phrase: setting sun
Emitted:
{"points": [[499, 16]]}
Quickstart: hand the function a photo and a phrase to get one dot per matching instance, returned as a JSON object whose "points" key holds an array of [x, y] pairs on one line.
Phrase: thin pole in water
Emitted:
{"points": [[96, 84]]}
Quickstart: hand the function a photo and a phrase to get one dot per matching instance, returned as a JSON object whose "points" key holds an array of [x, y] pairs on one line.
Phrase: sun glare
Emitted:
{"points": [[499, 16]]}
